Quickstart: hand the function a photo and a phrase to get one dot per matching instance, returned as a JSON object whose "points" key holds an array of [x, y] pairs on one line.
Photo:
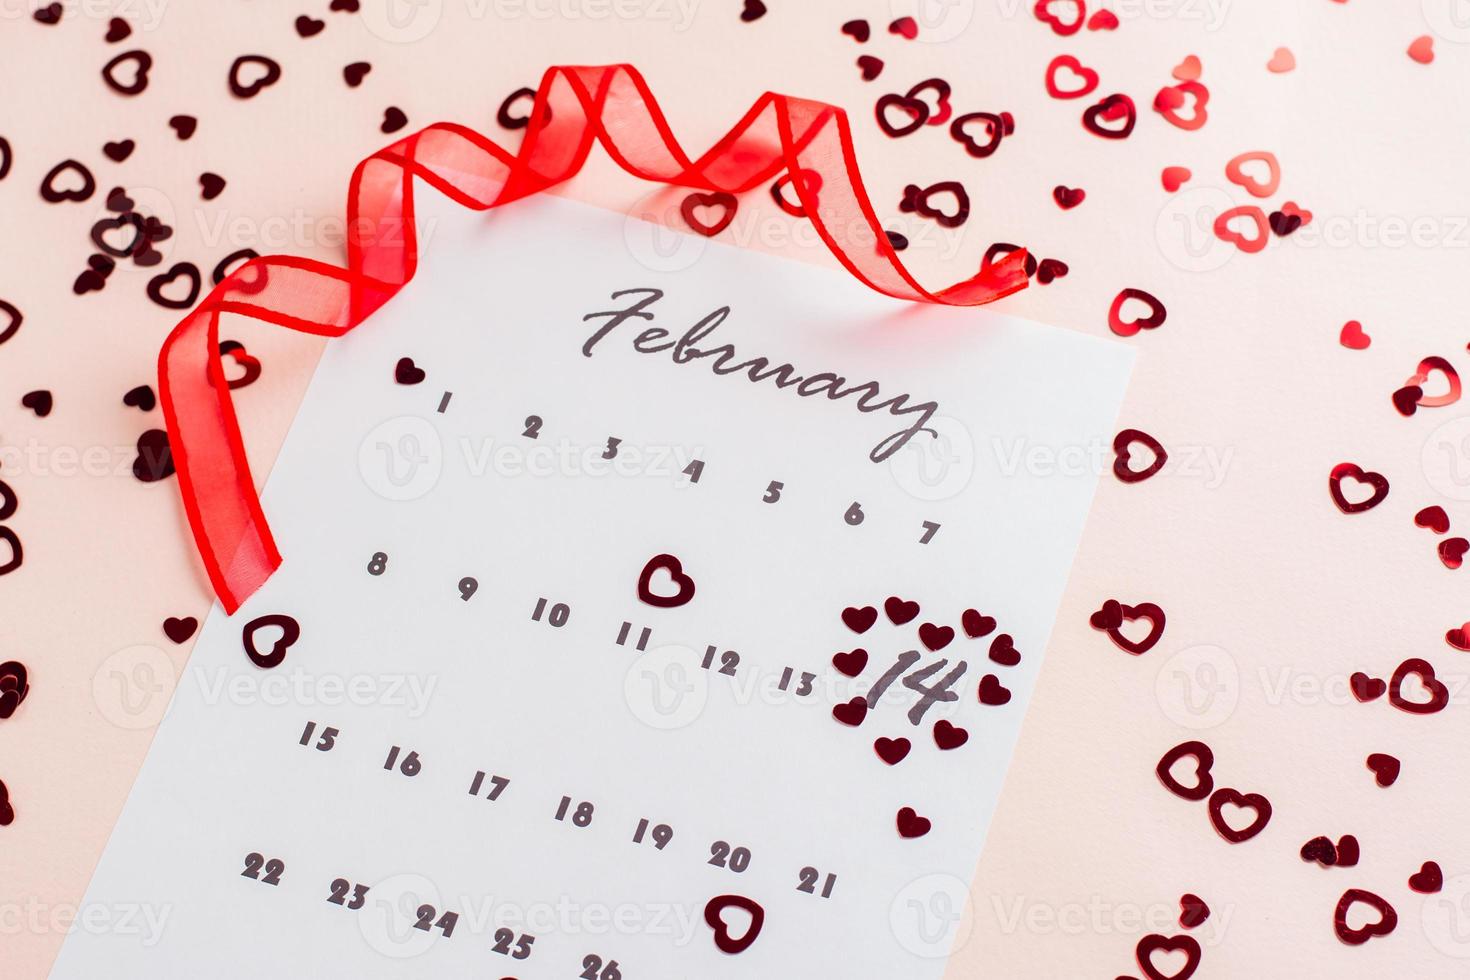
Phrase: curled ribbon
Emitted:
{"points": [[574, 107]]}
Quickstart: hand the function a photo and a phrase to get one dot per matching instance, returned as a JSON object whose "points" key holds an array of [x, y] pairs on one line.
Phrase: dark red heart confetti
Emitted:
{"points": [[1367, 688], [892, 750], [140, 61], [211, 186], [935, 637], [915, 111], [155, 459], [811, 184], [992, 692], [1452, 552], [904, 27], [917, 200], [753, 10], [1423, 670], [1459, 637], [975, 625], [8, 501], [7, 811], [1192, 911], [1000, 250], [1152, 944], [119, 150], [38, 401], [911, 825], [1113, 614], [179, 630], [187, 271], [858, 30], [852, 662], [1283, 224], [692, 209], [1428, 879], [684, 584], [49, 14], [183, 126], [141, 397], [1352, 471], [1385, 768], [1111, 109], [14, 686], [309, 26], [354, 73], [268, 659], [1123, 455], [393, 119], [17, 554], [1387, 921], [860, 619], [1320, 850], [1050, 270], [948, 736], [852, 712], [900, 611], [226, 266], [343, 6], [1127, 328], [1003, 651], [1250, 801], [1068, 198], [941, 111], [235, 350], [117, 30], [79, 188], [869, 66], [1434, 518], [267, 71], [714, 918], [990, 127], [1204, 762]]}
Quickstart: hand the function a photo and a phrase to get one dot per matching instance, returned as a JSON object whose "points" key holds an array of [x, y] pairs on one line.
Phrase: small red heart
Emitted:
{"points": [[1226, 231], [935, 637], [117, 30], [1144, 610], [905, 27], [911, 825], [1422, 50], [290, 633], [675, 568], [1250, 801], [1103, 20], [1049, 270], [993, 692], [1003, 651], [1068, 198], [916, 111], [1385, 768], [1347, 851], [1075, 68], [1192, 911], [852, 713], [1111, 109], [119, 151], [754, 10], [975, 625], [852, 662], [39, 401], [1452, 552], [858, 30], [1428, 880], [1149, 945], [211, 186], [1127, 328], [309, 26], [900, 611], [870, 66], [1388, 919], [859, 619], [1352, 471], [394, 119], [892, 750], [714, 918], [1065, 28], [406, 372], [1367, 688], [948, 736], [180, 630], [1204, 761], [354, 73], [1123, 452], [1439, 695], [1174, 178], [1459, 637], [692, 207], [1434, 518], [1321, 850], [1171, 98], [1352, 336]]}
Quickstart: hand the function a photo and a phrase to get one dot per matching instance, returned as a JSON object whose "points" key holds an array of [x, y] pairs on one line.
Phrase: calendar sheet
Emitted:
{"points": [[652, 609]]}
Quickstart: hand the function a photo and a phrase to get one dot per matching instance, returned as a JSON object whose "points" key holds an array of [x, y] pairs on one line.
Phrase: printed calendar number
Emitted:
{"points": [[504, 938], [425, 920], [468, 586], [265, 870], [773, 491], [378, 564], [327, 740], [581, 816], [341, 888], [659, 833], [497, 786], [729, 661], [722, 855], [593, 968], [854, 514], [533, 427], [557, 614], [410, 766], [807, 882]]}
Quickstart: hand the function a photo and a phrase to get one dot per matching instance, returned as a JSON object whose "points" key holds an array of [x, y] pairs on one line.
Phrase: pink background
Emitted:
{"points": [[1273, 597]]}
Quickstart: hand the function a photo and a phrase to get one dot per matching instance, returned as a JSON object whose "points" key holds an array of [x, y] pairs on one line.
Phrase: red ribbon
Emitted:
{"points": [[574, 107]]}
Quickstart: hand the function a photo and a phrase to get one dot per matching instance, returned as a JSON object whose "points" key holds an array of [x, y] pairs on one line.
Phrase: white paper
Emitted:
{"points": [[496, 318]]}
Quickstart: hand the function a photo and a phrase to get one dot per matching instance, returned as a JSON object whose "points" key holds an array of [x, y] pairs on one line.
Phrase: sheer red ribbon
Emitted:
{"points": [[574, 107]]}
